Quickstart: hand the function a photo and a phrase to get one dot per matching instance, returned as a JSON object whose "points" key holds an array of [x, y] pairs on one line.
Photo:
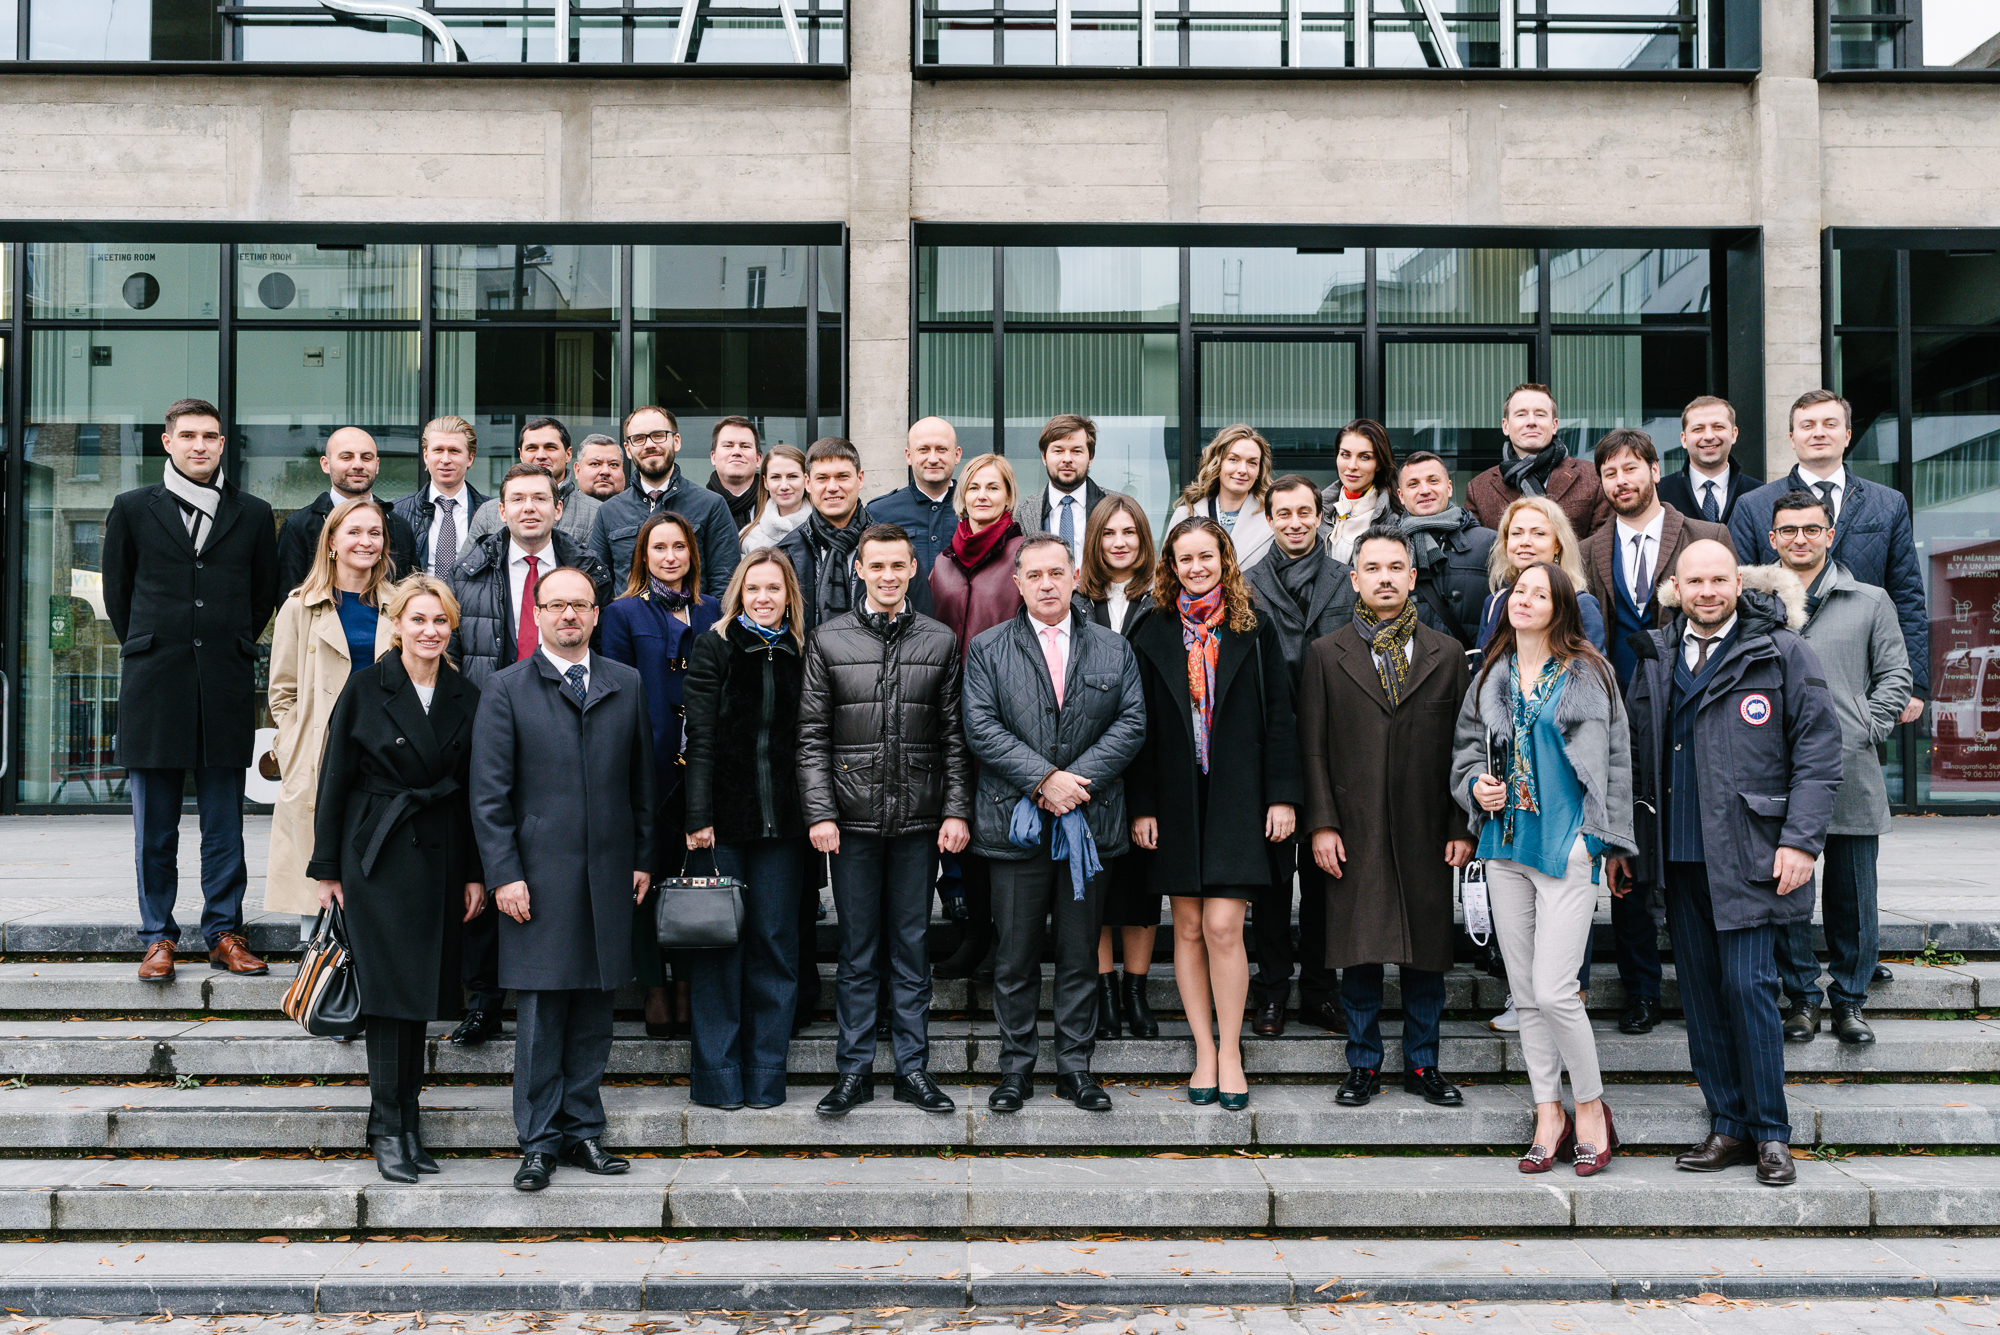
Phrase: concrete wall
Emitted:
{"points": [[882, 149]]}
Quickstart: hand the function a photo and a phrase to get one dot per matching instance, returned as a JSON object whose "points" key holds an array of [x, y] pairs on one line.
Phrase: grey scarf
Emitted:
{"points": [[198, 501], [835, 579], [1528, 474], [1300, 575], [1424, 531]]}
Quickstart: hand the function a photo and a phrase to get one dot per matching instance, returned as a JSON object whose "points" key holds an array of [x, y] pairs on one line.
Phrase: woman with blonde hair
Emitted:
{"points": [[1533, 530], [1366, 462], [781, 497], [1217, 783], [329, 628], [742, 786], [1228, 489]]}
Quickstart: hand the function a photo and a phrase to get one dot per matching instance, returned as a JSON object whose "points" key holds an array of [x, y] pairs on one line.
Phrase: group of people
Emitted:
{"points": [[501, 722]]}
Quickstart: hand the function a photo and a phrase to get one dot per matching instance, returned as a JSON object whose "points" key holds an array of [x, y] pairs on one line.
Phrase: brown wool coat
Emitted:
{"points": [[1676, 532], [1382, 780], [1573, 486]]}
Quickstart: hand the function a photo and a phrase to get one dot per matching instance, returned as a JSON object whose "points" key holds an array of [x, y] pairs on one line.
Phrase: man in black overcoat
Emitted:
{"points": [[351, 464], [562, 809], [190, 579]]}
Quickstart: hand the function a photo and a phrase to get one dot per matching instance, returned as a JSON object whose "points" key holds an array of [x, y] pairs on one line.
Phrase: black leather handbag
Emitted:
{"points": [[698, 912], [325, 997]]}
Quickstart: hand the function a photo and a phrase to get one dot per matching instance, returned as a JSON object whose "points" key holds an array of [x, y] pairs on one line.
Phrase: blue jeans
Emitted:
{"points": [[882, 887], [1423, 1003], [744, 996], [1853, 927], [156, 829]]}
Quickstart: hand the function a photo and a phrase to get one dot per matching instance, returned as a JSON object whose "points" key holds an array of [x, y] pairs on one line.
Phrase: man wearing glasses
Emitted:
{"points": [[190, 578], [652, 440]]}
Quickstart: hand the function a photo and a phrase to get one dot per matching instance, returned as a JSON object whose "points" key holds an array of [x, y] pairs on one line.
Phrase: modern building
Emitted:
{"points": [[834, 215]]}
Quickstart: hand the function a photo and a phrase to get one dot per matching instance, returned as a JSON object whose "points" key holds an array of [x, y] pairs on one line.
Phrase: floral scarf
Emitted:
{"points": [[1523, 793], [1200, 618]]}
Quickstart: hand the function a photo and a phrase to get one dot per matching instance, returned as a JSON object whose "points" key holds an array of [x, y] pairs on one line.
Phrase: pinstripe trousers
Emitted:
{"points": [[1730, 995]]}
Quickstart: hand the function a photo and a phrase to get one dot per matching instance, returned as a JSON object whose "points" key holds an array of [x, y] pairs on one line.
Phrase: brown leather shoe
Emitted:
{"points": [[158, 966], [1717, 1153], [1270, 1020], [232, 952], [1774, 1164]]}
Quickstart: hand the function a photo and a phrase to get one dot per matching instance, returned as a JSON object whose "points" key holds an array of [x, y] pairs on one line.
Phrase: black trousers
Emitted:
{"points": [[395, 1074], [883, 891], [1271, 933], [1024, 894], [479, 966], [562, 1041]]}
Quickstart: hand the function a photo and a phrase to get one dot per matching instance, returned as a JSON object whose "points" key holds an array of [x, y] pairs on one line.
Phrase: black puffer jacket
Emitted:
{"points": [[742, 749], [484, 640], [881, 744]]}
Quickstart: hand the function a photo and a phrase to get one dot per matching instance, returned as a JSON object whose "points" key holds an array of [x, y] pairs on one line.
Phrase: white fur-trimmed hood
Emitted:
{"points": [[1772, 580]]}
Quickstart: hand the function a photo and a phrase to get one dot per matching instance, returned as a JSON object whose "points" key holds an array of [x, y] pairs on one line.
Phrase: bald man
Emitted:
{"points": [[351, 465], [924, 508]]}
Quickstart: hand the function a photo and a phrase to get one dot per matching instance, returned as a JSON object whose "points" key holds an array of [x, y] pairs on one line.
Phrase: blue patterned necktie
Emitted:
{"points": [[573, 684], [1067, 532]]}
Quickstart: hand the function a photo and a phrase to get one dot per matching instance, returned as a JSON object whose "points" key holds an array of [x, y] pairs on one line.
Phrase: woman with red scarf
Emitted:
{"points": [[972, 589], [1217, 783]]}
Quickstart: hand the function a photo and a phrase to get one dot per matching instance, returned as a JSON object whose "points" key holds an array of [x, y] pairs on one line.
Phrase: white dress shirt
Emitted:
{"points": [[1691, 642], [563, 665], [517, 573], [1706, 487], [461, 520], [1838, 477], [1057, 497], [1649, 543], [1116, 605]]}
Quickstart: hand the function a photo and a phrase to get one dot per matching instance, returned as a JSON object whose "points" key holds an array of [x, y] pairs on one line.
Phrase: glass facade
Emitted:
{"points": [[382, 336], [1912, 34], [1298, 342]]}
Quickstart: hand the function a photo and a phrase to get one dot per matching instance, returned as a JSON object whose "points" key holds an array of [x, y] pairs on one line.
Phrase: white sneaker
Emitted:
{"points": [[1506, 1022]]}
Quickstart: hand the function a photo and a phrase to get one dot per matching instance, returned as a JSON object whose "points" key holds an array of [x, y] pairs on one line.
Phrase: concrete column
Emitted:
{"points": [[878, 318], [1785, 110]]}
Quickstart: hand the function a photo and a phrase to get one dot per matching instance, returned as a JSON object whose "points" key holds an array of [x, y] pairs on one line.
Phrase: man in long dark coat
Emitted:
{"points": [[1376, 713], [562, 808], [190, 579]]}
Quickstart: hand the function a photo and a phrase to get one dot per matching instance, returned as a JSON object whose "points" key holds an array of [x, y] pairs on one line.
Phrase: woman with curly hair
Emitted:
{"points": [[1217, 784], [1228, 489]]}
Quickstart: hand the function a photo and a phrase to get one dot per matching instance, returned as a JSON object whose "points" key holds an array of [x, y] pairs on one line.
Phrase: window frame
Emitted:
{"points": [[1909, 26]]}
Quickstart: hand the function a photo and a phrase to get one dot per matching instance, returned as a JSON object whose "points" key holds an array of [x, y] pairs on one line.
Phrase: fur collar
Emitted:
{"points": [[1583, 699], [1773, 581]]}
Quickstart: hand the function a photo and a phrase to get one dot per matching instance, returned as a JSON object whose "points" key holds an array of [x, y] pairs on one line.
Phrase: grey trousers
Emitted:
{"points": [[1025, 893], [562, 1041], [1543, 923]]}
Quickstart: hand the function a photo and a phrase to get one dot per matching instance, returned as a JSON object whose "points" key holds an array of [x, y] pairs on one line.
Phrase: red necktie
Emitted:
{"points": [[528, 639]]}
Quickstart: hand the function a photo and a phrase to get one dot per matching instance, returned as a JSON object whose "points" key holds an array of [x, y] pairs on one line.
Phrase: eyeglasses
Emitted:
{"points": [[578, 607], [1790, 531], [657, 437]]}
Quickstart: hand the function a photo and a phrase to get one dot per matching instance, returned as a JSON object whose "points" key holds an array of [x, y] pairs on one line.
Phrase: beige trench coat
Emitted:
{"points": [[309, 668]]}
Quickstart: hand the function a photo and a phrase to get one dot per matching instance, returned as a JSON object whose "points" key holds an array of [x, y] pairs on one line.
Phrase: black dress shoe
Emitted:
{"points": [[1082, 1089], [419, 1157], [392, 1158], [1361, 1085], [847, 1093], [917, 1087], [1138, 1015], [534, 1172], [476, 1028], [1882, 974], [1427, 1081], [1109, 1011], [1269, 1021], [1328, 1015], [1848, 1026], [591, 1156], [1801, 1021], [1774, 1164], [1011, 1093], [1715, 1154], [1640, 1016]]}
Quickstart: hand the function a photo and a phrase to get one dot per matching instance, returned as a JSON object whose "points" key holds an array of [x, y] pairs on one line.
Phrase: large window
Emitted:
{"points": [[1620, 35], [1916, 348], [1962, 35], [293, 339], [809, 33], [1163, 345]]}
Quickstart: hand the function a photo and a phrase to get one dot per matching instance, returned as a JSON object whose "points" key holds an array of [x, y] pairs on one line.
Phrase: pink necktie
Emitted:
{"points": [[1053, 652]]}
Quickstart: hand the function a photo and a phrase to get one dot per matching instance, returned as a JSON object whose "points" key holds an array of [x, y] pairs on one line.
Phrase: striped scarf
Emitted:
{"points": [[1200, 618]]}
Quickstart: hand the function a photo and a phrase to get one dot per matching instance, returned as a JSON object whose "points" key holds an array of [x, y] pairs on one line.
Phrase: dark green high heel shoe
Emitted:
{"points": [[1203, 1096], [1235, 1102]]}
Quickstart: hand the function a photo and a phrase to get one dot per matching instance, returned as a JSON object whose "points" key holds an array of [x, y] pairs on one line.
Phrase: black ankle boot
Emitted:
{"points": [[1138, 1015], [1109, 1009], [392, 1158]]}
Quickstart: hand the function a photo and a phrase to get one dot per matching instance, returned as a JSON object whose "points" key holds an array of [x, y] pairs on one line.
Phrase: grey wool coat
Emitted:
{"points": [[1860, 643], [1019, 734], [562, 798]]}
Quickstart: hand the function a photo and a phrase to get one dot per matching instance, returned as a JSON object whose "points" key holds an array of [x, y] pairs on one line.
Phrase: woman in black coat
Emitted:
{"points": [[742, 786], [392, 844], [1216, 784]]}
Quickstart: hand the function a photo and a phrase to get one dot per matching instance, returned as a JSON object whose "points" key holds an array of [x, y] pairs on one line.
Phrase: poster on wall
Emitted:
{"points": [[1965, 667]]}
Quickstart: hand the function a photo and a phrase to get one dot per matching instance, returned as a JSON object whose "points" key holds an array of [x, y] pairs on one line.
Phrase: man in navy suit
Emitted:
{"points": [[1712, 482], [1872, 534]]}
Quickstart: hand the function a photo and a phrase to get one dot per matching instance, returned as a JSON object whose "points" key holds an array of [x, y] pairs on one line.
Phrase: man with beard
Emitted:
{"points": [[351, 464], [1451, 547], [1069, 447], [1709, 487], [1307, 594], [1627, 562], [821, 550], [1535, 463], [734, 453], [652, 439], [600, 467]]}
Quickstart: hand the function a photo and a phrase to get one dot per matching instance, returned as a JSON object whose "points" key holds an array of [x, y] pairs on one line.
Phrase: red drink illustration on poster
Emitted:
{"points": [[1965, 667]]}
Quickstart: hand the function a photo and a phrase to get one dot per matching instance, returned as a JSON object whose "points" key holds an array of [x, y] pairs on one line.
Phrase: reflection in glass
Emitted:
{"points": [[9, 30], [955, 382], [93, 430], [1621, 380], [1864, 287], [1865, 374], [1092, 283], [719, 282], [1127, 383], [1598, 286], [503, 39], [1405, 39], [1446, 397], [302, 281], [1298, 395], [703, 374], [121, 280], [955, 283], [526, 282], [1104, 32], [1954, 287], [122, 30], [1437, 285], [1278, 286], [295, 387], [1232, 32], [496, 378], [308, 39], [1856, 43]]}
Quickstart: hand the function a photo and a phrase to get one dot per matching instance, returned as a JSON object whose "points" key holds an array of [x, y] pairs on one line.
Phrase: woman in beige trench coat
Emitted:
{"points": [[313, 650]]}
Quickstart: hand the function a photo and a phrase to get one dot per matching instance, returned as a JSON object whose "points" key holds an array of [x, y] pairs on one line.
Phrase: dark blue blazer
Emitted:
{"points": [[1677, 490], [643, 634]]}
